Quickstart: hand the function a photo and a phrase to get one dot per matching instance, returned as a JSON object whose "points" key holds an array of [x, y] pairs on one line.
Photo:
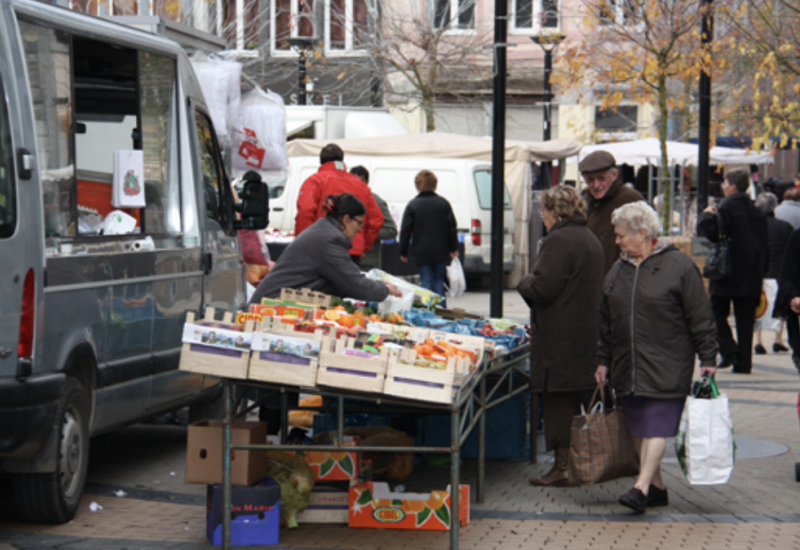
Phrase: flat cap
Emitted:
{"points": [[599, 161]]}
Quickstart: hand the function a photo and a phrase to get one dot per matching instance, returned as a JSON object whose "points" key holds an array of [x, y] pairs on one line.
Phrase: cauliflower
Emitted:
{"points": [[296, 479]]}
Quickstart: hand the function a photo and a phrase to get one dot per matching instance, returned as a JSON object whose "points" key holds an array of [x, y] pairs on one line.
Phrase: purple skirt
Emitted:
{"points": [[649, 417]]}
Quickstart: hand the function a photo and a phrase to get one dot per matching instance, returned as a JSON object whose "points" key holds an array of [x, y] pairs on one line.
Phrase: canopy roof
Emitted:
{"points": [[648, 151], [439, 145]]}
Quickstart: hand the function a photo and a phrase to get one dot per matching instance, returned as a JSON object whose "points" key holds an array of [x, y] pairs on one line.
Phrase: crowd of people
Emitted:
{"points": [[604, 284]]}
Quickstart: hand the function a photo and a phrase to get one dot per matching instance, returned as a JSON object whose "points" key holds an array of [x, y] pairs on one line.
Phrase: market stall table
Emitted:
{"points": [[490, 384]]}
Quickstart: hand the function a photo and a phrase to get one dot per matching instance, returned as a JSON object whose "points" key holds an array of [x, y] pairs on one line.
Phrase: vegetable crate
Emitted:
{"points": [[406, 379], [283, 355], [306, 296], [341, 365], [218, 348], [372, 504], [481, 348], [415, 334]]}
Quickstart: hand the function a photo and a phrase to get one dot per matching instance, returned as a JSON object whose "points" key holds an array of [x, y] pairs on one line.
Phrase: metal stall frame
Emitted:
{"points": [[489, 385]]}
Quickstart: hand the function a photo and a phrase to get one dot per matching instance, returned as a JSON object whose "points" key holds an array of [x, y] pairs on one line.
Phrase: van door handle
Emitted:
{"points": [[208, 262], [25, 162], [277, 209]]}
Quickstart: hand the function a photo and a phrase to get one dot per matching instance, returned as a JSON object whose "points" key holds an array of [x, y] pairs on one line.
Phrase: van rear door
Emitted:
{"points": [[481, 225], [20, 251]]}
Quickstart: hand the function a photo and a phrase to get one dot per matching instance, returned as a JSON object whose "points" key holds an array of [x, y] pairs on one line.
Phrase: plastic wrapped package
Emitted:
{"points": [[220, 80], [423, 295], [259, 141]]}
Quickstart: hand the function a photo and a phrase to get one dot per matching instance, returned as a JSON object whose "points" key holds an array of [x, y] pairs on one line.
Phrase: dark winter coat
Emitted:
{"points": [[654, 319], [789, 278], [318, 259], [564, 293], [778, 232], [748, 239], [598, 216], [429, 227]]}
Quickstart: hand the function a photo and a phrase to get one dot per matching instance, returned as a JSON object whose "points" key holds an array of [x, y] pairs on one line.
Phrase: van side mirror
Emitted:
{"points": [[254, 205]]}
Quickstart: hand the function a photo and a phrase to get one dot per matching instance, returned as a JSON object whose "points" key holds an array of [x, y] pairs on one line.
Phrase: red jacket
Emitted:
{"points": [[332, 179]]}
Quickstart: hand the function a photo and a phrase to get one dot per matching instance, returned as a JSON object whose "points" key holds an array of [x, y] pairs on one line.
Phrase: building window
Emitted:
{"points": [[535, 15], [624, 119], [291, 19], [619, 12], [454, 14], [346, 25]]}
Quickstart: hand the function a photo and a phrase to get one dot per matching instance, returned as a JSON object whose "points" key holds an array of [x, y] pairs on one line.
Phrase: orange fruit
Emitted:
{"points": [[400, 318], [359, 313], [332, 315], [437, 499], [413, 506], [375, 318], [340, 308], [346, 321]]}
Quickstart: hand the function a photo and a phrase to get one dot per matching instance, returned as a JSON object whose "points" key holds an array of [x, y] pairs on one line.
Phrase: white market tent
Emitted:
{"points": [[518, 156], [648, 151]]}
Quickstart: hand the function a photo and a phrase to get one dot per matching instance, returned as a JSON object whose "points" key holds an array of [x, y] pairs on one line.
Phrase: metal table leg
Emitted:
{"points": [[226, 465], [455, 459], [481, 444]]}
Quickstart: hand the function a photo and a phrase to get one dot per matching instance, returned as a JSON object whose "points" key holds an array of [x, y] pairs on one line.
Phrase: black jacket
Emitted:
{"points": [[789, 279], [429, 226], [654, 319], [563, 293], [778, 231], [747, 231]]}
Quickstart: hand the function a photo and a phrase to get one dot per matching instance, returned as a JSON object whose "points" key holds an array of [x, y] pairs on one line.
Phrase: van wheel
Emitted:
{"points": [[54, 497]]}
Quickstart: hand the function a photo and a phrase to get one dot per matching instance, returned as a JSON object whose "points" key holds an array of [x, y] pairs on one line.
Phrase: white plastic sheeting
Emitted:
{"points": [[648, 151]]}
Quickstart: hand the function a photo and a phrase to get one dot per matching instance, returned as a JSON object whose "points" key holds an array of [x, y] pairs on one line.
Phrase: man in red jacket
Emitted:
{"points": [[333, 179]]}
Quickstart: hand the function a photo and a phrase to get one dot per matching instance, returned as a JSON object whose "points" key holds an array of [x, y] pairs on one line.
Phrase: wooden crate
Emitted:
{"points": [[306, 296], [203, 353], [283, 367], [415, 334], [482, 347], [404, 379], [341, 367]]}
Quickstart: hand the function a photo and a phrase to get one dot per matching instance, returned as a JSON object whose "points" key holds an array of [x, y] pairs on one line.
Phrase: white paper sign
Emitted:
{"points": [[128, 189]]}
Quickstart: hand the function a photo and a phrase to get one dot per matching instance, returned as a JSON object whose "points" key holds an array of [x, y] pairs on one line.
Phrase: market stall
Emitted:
{"points": [[414, 361]]}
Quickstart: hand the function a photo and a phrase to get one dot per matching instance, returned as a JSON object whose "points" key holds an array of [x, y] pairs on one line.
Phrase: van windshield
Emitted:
{"points": [[8, 202], [483, 183]]}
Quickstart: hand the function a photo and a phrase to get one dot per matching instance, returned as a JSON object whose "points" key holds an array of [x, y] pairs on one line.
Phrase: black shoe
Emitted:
{"points": [[657, 497], [726, 361], [635, 500], [761, 350], [777, 348]]}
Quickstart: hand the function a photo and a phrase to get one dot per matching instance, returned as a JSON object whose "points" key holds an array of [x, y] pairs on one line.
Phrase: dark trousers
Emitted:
{"points": [[558, 410], [744, 311], [793, 334]]}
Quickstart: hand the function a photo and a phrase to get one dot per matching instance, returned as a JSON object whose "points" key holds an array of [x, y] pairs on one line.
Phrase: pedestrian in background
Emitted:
{"points": [[333, 179], [655, 318], [746, 229], [778, 232], [604, 192], [562, 291], [789, 209], [428, 230], [372, 258], [787, 304]]}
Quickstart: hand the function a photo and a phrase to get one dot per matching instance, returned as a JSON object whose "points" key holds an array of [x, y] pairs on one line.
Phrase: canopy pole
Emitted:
{"points": [[498, 156]]}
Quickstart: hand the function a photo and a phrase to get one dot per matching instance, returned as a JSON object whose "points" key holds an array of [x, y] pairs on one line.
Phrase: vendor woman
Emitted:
{"points": [[319, 260]]}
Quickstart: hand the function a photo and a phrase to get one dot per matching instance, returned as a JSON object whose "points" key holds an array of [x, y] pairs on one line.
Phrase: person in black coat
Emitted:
{"points": [[562, 291], [778, 232], [787, 303], [429, 230], [746, 230]]}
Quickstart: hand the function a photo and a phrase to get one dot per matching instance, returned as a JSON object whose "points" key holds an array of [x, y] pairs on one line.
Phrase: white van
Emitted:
{"points": [[93, 295], [466, 183]]}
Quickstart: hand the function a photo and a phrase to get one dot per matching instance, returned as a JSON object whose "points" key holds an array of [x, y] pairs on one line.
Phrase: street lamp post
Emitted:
{"points": [[302, 45], [549, 43]]}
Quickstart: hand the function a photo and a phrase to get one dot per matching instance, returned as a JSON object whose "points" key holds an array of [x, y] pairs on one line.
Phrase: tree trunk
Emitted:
{"points": [[664, 170]]}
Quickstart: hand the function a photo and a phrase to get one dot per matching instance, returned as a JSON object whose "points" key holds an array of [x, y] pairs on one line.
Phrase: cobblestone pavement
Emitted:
{"points": [[758, 509]]}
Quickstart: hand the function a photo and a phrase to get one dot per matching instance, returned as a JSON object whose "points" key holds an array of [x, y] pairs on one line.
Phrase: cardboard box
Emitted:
{"points": [[204, 453], [333, 466], [373, 505], [326, 505], [255, 514]]}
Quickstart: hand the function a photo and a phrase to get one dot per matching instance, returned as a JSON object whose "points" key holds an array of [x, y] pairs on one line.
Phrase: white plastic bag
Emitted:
{"points": [[392, 304], [705, 445], [455, 276], [220, 80], [260, 135]]}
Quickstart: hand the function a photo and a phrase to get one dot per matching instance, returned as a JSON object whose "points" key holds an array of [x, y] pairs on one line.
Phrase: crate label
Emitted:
{"points": [[212, 335]]}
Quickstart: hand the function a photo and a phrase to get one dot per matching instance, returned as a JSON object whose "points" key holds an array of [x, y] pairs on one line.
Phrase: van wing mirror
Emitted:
{"points": [[254, 205]]}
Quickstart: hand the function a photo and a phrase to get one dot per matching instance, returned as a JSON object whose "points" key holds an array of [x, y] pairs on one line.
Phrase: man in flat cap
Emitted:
{"points": [[604, 193]]}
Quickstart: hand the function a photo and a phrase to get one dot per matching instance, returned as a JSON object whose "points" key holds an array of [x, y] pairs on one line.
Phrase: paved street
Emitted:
{"points": [[758, 509]]}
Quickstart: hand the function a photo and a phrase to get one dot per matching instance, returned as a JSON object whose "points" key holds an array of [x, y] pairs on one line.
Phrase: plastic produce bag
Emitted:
{"points": [[392, 304], [704, 444], [220, 80], [259, 141], [423, 295], [456, 279]]}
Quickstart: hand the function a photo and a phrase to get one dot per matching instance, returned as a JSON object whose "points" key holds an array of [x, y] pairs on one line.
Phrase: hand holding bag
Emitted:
{"points": [[601, 448], [718, 260], [704, 444]]}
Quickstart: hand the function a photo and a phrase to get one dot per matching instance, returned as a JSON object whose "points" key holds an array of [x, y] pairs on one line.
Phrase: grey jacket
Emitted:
{"points": [[388, 231], [318, 259], [654, 318]]}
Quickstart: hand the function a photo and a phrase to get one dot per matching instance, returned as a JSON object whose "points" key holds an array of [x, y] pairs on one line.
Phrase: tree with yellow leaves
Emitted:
{"points": [[644, 51]]}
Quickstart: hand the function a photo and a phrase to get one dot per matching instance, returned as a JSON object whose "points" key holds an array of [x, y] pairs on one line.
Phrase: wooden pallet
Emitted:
{"points": [[282, 368], [340, 368], [204, 358]]}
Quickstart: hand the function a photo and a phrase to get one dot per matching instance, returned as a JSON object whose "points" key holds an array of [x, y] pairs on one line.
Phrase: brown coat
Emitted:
{"points": [[598, 216], [564, 293]]}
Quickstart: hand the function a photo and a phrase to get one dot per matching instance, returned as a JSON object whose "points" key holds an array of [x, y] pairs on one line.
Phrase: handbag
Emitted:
{"points": [[705, 445], [601, 448], [718, 260]]}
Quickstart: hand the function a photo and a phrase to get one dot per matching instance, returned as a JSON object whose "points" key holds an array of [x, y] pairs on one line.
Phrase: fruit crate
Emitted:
{"points": [[284, 355], [341, 365], [218, 348], [405, 379]]}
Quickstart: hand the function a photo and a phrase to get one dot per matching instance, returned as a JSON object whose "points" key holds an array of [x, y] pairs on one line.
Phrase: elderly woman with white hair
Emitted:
{"points": [[655, 316]]}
